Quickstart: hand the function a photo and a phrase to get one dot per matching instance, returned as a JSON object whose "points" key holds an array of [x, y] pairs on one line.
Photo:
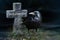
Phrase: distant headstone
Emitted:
{"points": [[17, 14]]}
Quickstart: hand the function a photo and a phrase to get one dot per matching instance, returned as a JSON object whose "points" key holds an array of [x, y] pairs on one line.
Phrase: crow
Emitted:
{"points": [[33, 20]]}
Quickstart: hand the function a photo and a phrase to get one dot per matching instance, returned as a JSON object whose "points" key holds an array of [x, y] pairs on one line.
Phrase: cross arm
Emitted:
{"points": [[10, 14], [24, 13]]}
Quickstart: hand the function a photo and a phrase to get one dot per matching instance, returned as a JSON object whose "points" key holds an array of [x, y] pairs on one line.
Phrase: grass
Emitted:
{"points": [[42, 34]]}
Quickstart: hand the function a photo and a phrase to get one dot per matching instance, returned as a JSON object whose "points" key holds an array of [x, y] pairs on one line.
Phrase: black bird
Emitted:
{"points": [[33, 20]]}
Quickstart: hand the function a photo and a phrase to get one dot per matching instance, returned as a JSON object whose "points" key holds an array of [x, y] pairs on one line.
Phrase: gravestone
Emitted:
{"points": [[17, 13]]}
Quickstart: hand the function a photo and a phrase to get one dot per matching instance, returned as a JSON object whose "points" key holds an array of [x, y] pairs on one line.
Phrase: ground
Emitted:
{"points": [[42, 34]]}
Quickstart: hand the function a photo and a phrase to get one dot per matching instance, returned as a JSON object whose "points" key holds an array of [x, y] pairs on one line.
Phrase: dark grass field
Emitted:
{"points": [[41, 34], [52, 34]]}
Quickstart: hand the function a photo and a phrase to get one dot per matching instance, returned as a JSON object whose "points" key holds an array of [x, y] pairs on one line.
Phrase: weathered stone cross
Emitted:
{"points": [[16, 13]]}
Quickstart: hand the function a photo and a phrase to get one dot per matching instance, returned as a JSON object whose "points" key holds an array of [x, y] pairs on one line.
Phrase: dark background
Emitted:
{"points": [[50, 11]]}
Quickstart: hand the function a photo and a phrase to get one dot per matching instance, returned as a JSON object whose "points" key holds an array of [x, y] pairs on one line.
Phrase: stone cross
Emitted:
{"points": [[17, 14]]}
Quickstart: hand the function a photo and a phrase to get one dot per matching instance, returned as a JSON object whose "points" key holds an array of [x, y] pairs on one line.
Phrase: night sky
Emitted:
{"points": [[50, 10]]}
